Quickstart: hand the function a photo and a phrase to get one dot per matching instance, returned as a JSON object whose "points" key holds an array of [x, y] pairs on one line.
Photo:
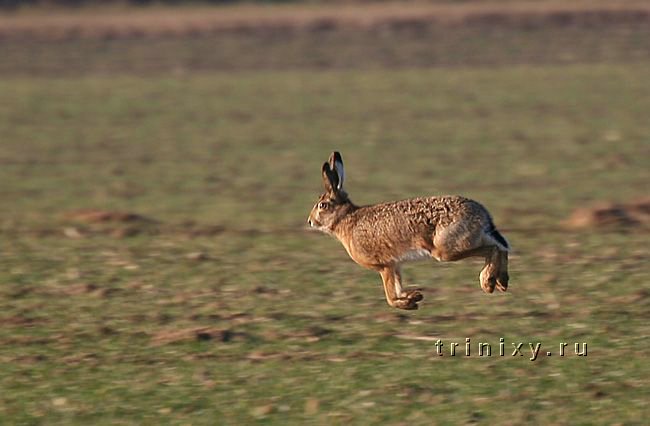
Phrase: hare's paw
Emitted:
{"points": [[488, 278], [409, 301], [406, 304], [414, 295], [502, 281], [488, 284]]}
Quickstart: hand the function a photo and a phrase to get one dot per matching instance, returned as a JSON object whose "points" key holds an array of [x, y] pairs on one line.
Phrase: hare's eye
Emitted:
{"points": [[323, 205]]}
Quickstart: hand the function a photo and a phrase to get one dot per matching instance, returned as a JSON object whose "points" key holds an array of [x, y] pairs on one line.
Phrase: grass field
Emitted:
{"points": [[216, 306], [386, 35]]}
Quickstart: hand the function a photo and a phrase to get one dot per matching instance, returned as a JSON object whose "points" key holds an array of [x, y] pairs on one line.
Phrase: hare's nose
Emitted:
{"points": [[309, 222]]}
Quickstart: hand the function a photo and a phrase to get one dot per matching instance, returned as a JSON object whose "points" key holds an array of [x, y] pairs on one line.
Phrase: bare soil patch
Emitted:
{"points": [[632, 214], [105, 216], [193, 22]]}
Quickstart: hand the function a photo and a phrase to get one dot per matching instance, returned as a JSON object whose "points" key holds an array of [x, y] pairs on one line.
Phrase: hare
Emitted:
{"points": [[383, 236]]}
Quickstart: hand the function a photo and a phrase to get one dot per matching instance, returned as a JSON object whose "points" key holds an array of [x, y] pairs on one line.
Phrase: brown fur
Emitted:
{"points": [[383, 236]]}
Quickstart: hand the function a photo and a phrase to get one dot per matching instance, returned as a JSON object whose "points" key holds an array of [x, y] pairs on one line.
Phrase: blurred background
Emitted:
{"points": [[158, 160]]}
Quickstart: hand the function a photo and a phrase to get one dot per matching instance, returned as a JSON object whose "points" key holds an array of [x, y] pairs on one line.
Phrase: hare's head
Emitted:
{"points": [[333, 204]]}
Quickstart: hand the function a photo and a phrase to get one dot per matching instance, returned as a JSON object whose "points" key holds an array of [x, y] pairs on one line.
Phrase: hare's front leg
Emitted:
{"points": [[395, 295]]}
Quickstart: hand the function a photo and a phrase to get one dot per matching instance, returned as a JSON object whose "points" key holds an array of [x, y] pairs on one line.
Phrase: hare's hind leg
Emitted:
{"points": [[463, 240], [488, 275], [395, 295], [502, 277], [495, 272], [458, 241]]}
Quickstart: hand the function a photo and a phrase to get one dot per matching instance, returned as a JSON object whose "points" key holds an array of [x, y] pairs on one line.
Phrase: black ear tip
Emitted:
{"points": [[337, 156], [326, 167]]}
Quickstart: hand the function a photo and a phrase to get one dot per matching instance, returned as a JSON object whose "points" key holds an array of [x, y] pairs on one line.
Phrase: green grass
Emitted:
{"points": [[277, 325], [475, 44]]}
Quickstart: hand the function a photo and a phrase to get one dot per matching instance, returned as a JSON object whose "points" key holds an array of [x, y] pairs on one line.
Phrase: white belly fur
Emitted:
{"points": [[414, 255]]}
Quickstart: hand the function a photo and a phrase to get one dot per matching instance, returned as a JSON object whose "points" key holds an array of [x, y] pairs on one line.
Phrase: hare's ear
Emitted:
{"points": [[336, 165], [330, 179]]}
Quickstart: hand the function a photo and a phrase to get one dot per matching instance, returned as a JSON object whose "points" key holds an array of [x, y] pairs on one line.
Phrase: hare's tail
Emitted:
{"points": [[498, 239], [503, 243]]}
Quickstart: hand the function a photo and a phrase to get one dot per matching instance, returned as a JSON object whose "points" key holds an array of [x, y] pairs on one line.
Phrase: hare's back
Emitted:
{"points": [[402, 219], [455, 208], [438, 210]]}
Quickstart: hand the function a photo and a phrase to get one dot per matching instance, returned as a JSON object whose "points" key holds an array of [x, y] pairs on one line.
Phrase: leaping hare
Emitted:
{"points": [[383, 236]]}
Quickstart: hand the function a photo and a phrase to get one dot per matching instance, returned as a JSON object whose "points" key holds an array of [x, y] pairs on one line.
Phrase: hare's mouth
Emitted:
{"points": [[314, 226]]}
